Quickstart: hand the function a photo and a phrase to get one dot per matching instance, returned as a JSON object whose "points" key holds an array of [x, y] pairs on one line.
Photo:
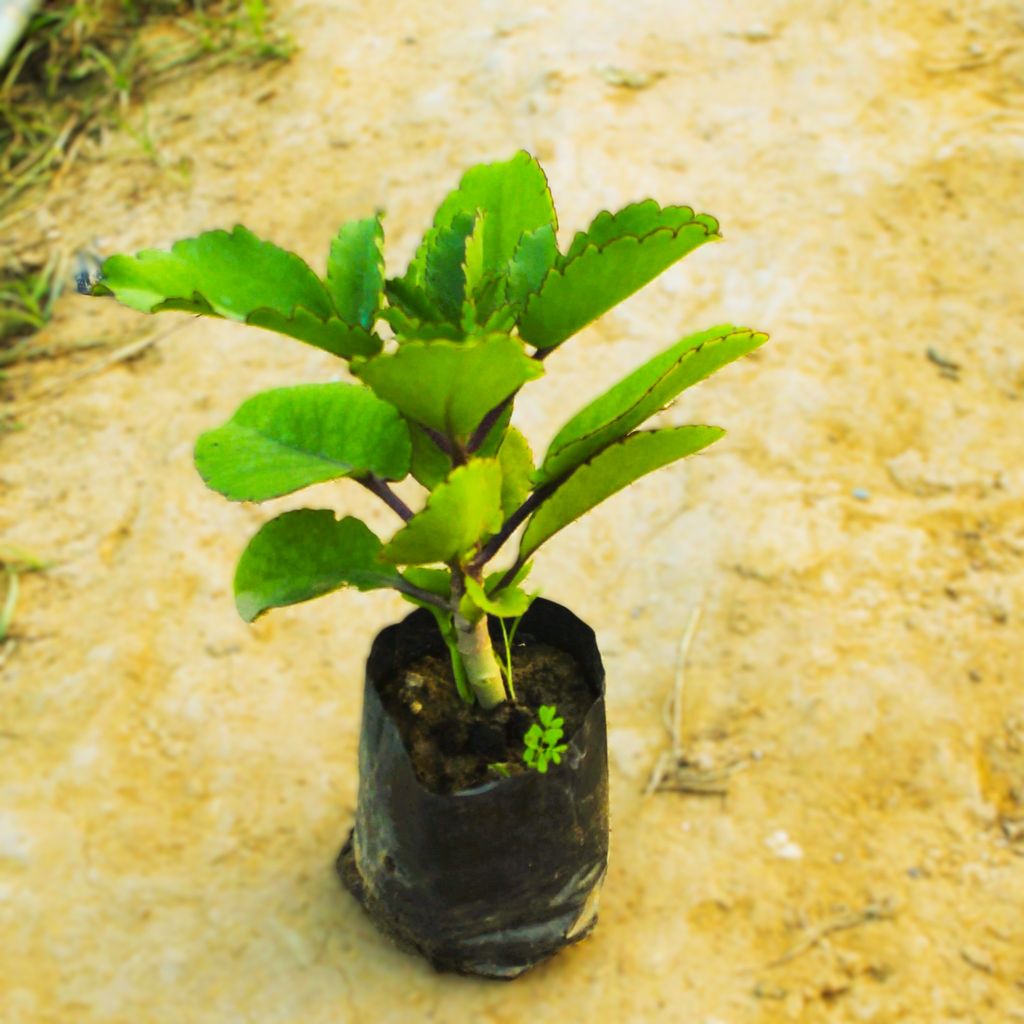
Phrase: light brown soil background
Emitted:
{"points": [[175, 785]]}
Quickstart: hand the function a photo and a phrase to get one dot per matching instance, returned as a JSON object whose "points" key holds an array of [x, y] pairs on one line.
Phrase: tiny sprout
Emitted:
{"points": [[541, 740]]}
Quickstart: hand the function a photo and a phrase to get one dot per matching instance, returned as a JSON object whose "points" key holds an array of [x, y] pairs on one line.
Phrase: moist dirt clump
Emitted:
{"points": [[454, 745]]}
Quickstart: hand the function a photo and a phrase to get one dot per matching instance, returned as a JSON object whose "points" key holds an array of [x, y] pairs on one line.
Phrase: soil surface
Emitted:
{"points": [[453, 745], [845, 842]]}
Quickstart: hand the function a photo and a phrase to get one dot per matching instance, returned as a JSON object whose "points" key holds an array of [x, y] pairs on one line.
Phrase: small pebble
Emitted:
{"points": [[783, 847], [861, 493]]}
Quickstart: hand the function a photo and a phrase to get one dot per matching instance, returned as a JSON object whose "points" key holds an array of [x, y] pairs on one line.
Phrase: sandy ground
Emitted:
{"points": [[174, 785]]}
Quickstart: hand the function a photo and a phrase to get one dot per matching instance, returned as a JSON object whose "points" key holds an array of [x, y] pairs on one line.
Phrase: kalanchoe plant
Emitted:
{"points": [[486, 299]]}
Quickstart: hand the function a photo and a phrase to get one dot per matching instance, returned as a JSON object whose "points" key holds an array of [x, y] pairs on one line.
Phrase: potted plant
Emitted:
{"points": [[481, 829]]}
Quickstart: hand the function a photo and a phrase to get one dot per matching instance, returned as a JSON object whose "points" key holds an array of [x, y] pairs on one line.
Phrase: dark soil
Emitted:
{"points": [[454, 745]]}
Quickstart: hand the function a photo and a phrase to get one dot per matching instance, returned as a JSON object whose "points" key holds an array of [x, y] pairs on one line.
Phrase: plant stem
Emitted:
{"points": [[447, 628], [458, 669], [475, 648], [487, 423], [375, 485], [491, 548], [510, 575], [508, 655], [424, 596], [480, 662], [438, 438]]}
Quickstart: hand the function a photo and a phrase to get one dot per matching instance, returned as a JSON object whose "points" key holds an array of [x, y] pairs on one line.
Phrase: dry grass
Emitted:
{"points": [[77, 71]]}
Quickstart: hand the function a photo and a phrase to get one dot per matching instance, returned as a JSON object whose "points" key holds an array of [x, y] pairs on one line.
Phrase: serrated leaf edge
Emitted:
{"points": [[417, 265], [294, 257], [378, 244], [612, 214], [563, 268], [541, 478], [560, 482]]}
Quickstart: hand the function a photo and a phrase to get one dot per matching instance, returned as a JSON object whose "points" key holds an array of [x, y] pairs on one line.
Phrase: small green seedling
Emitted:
{"points": [[508, 637], [439, 355], [542, 740]]}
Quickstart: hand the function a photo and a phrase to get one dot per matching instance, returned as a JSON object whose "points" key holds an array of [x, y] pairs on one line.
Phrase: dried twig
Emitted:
{"points": [[973, 61], [679, 775], [27, 351], [880, 911], [120, 355], [674, 708], [7, 648], [674, 770]]}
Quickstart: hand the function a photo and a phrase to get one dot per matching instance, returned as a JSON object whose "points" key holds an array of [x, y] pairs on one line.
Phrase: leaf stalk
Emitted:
{"points": [[375, 485]]}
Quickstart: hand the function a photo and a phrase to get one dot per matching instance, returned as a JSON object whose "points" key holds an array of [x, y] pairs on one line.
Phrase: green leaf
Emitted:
{"points": [[447, 386], [501, 321], [494, 578], [237, 276], [611, 470], [436, 581], [407, 298], [408, 327], [510, 603], [483, 309], [535, 255], [546, 714], [516, 470], [460, 513], [429, 464], [599, 277], [282, 440], [355, 271], [444, 276], [333, 335], [474, 272], [303, 554], [496, 436], [646, 390], [230, 274], [515, 197], [637, 219]]}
